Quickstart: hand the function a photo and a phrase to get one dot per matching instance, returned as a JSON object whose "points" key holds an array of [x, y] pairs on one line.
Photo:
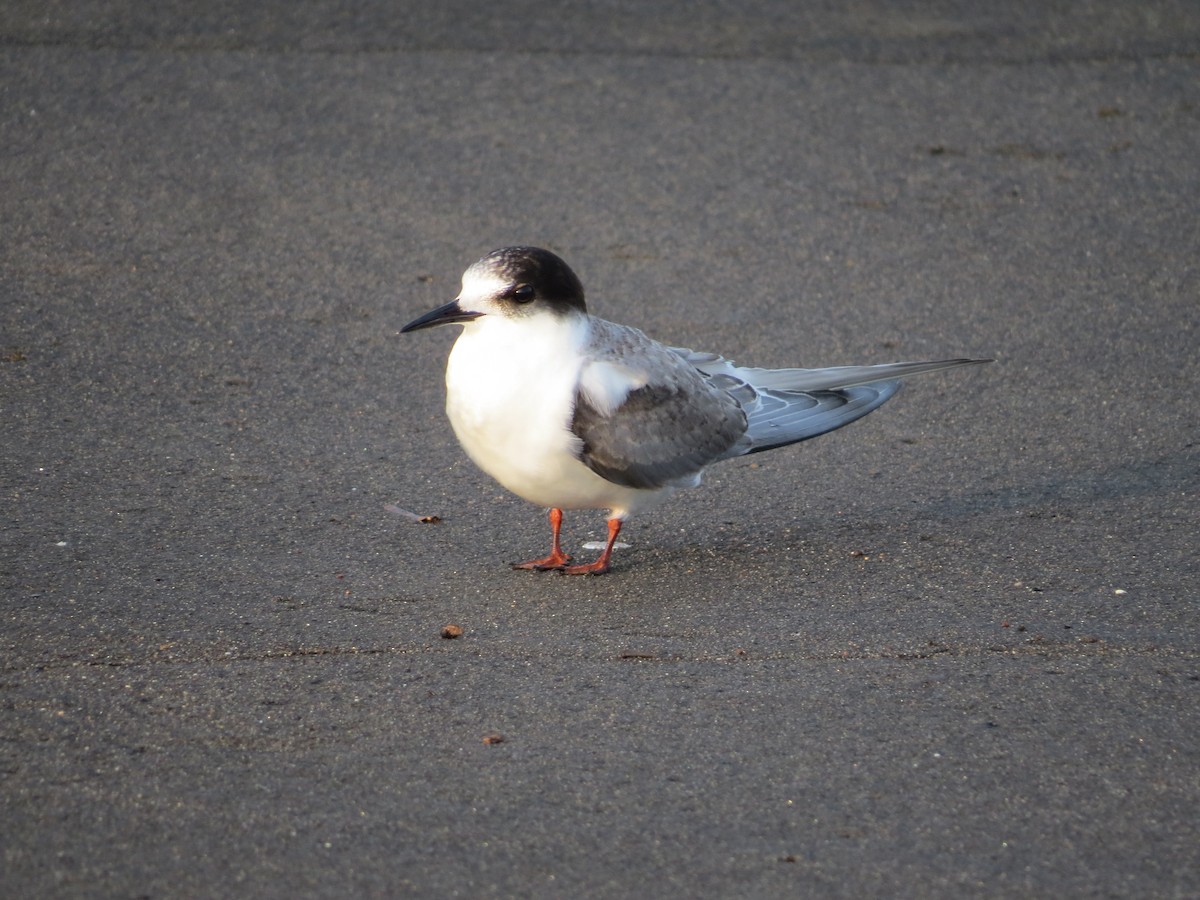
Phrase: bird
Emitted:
{"points": [[570, 411]]}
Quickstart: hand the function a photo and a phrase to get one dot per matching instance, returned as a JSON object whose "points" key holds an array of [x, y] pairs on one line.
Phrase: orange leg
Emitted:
{"points": [[600, 566], [557, 559]]}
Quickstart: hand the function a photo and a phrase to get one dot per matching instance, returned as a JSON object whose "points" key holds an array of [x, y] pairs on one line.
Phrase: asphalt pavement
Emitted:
{"points": [[950, 650]]}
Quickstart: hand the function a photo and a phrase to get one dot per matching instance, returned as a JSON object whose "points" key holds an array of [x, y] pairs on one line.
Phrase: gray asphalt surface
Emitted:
{"points": [[950, 650]]}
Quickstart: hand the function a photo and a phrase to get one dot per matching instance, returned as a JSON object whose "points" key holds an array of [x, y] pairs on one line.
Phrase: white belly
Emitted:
{"points": [[510, 395]]}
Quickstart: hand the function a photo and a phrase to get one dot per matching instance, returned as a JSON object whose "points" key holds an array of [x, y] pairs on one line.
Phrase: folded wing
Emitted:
{"points": [[784, 406], [644, 417]]}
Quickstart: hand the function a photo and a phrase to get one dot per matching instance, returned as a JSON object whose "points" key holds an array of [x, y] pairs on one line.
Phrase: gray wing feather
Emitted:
{"points": [[696, 408], [784, 406], [660, 435], [829, 379], [780, 418], [663, 433]]}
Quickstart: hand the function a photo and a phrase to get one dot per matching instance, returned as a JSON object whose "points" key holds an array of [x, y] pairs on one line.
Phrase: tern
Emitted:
{"points": [[570, 411]]}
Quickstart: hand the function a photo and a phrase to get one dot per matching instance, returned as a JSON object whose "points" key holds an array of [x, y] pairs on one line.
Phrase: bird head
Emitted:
{"points": [[512, 282]]}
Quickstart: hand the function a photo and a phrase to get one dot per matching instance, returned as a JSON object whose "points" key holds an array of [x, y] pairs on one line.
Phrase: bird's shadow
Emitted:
{"points": [[1166, 475]]}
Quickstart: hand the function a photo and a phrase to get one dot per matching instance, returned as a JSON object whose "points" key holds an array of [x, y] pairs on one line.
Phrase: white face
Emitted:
{"points": [[480, 289], [519, 283]]}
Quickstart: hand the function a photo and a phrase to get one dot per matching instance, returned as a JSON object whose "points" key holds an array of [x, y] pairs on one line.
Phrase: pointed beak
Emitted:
{"points": [[450, 314]]}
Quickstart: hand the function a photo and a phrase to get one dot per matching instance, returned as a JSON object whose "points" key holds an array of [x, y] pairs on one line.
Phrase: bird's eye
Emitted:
{"points": [[522, 293]]}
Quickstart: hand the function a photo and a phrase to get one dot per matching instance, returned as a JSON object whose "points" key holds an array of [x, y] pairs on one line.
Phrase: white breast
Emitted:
{"points": [[510, 394]]}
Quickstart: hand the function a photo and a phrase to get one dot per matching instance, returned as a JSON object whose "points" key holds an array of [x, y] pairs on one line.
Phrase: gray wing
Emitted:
{"points": [[785, 406], [779, 418], [827, 379], [664, 431]]}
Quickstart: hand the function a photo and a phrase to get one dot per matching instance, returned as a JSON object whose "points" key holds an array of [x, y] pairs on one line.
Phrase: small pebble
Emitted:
{"points": [[451, 631]]}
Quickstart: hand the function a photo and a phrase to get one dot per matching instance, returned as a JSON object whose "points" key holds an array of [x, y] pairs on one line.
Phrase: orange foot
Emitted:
{"points": [[601, 565], [557, 559]]}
